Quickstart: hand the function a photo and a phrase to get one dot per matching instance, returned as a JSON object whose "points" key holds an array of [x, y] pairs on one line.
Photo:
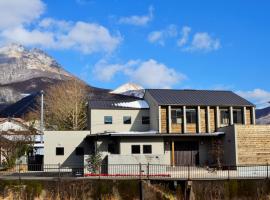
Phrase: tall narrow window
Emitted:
{"points": [[127, 119], [191, 115], [176, 115], [107, 119], [224, 116], [237, 116]]}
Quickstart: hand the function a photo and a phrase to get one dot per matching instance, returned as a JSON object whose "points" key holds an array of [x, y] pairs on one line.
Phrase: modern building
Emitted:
{"points": [[165, 127]]}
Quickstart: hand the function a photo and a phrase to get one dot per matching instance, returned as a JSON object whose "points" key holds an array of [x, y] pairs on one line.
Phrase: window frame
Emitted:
{"points": [[176, 113], [238, 112], [135, 146], [61, 153], [129, 120], [146, 146], [223, 111], [106, 121], [191, 115]]}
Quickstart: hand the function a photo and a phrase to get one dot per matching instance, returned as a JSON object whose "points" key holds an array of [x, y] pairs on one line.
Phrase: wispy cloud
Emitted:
{"points": [[184, 36], [198, 42], [138, 20], [161, 36], [138, 71], [20, 21], [258, 96], [203, 42]]}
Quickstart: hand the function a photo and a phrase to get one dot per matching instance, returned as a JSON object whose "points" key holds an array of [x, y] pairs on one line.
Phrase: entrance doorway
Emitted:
{"points": [[186, 153]]}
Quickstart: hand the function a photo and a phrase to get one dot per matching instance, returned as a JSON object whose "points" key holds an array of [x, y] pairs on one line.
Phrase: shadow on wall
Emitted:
{"points": [[78, 159]]}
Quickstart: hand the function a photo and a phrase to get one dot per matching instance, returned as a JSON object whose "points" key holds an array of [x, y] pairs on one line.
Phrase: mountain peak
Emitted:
{"points": [[129, 89], [18, 63]]}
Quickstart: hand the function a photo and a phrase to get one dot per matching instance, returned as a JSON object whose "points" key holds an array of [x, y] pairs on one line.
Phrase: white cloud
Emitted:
{"points": [[258, 96], [27, 37], [14, 13], [184, 36], [160, 36], [20, 22], [202, 41], [138, 20], [84, 37], [150, 73], [88, 38]]}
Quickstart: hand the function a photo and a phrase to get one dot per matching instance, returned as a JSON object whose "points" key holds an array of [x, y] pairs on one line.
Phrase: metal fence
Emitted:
{"points": [[140, 171]]}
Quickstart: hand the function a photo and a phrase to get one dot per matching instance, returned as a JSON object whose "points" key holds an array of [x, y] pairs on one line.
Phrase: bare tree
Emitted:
{"points": [[65, 106], [14, 144]]}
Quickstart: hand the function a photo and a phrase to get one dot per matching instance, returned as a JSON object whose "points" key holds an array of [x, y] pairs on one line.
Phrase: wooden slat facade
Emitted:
{"points": [[164, 120], [203, 118]]}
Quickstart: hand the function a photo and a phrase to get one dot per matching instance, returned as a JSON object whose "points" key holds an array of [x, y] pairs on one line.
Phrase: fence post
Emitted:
{"points": [[140, 168], [99, 171], [59, 170], [20, 172], [188, 172], [228, 172], [148, 167], [267, 165]]}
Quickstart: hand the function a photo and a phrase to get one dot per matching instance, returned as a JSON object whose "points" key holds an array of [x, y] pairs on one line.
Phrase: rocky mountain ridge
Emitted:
{"points": [[24, 71]]}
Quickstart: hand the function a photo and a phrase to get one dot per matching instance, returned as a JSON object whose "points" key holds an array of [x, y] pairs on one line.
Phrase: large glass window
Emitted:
{"points": [[176, 115], [237, 116], [127, 119], [191, 115], [224, 116], [135, 149], [107, 119]]}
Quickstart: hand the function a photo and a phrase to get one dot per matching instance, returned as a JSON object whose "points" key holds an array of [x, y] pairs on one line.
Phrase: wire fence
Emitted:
{"points": [[139, 171]]}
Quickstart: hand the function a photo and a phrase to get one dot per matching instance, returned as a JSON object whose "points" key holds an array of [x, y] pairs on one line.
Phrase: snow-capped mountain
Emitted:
{"points": [[129, 89], [24, 71], [18, 63], [263, 116]]}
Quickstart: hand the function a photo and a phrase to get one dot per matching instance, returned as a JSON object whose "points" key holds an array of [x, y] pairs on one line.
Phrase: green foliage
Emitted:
{"points": [[94, 162]]}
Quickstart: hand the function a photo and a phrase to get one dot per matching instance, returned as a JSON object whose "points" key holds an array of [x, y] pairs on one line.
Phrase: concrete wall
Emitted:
{"points": [[158, 155], [67, 139], [229, 145], [154, 112], [98, 126]]}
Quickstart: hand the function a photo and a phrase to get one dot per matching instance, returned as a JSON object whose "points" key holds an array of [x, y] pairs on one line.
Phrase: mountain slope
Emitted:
{"points": [[25, 71], [263, 116]]}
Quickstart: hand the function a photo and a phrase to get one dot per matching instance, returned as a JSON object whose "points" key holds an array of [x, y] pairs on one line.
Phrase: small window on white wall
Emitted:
{"points": [[107, 119], [147, 149], [59, 151], [135, 149], [127, 119]]}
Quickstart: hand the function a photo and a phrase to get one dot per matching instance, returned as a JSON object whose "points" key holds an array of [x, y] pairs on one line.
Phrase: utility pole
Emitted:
{"points": [[42, 116]]}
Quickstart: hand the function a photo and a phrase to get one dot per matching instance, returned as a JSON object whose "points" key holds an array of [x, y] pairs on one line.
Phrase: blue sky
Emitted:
{"points": [[158, 44]]}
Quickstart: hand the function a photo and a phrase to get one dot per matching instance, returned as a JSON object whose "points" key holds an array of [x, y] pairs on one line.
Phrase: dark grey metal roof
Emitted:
{"points": [[197, 98]]}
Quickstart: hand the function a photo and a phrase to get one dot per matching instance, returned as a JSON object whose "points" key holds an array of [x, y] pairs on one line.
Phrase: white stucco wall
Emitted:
{"points": [[97, 120], [67, 139], [158, 155]]}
